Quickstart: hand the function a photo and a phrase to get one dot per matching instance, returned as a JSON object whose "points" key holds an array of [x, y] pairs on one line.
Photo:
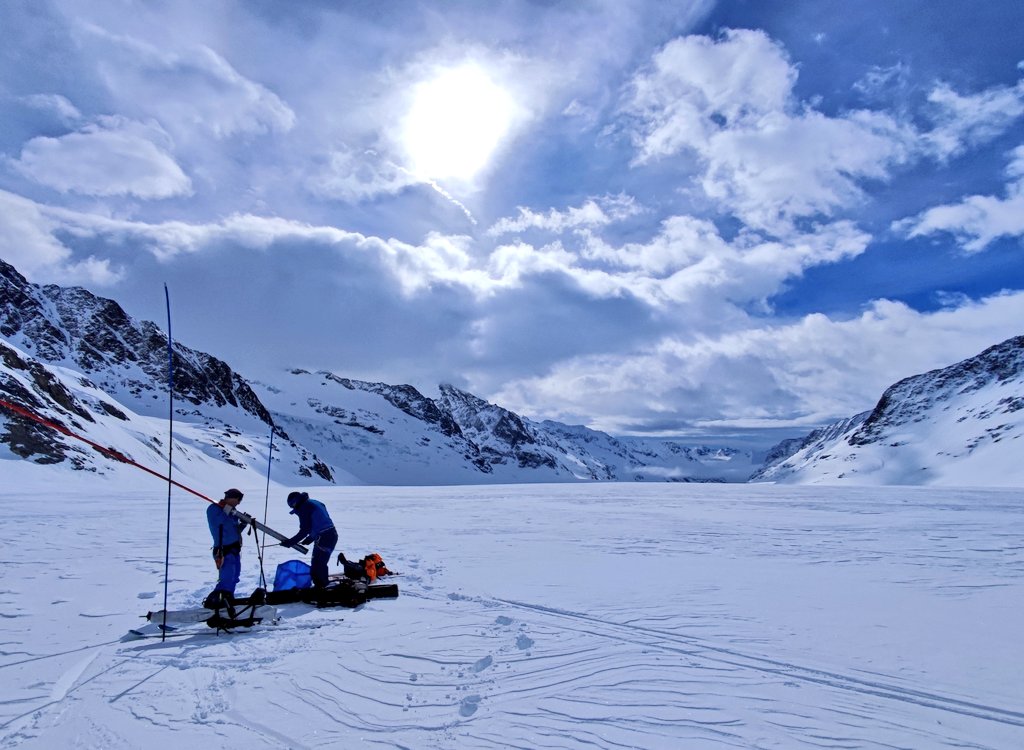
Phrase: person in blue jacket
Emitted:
{"points": [[227, 546], [316, 528]]}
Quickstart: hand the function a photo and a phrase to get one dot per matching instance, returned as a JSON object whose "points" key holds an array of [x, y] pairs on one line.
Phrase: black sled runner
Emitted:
{"points": [[339, 592]]}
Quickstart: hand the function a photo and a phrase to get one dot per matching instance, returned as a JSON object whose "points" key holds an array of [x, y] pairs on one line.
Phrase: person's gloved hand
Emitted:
{"points": [[286, 543]]}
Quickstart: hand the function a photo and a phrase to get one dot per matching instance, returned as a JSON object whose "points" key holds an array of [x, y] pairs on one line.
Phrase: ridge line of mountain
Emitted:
{"points": [[80, 357]]}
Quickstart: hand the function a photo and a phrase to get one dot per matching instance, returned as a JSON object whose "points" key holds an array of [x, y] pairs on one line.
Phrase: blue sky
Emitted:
{"points": [[650, 218]]}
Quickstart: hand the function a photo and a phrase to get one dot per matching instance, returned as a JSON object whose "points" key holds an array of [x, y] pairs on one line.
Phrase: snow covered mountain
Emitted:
{"points": [[80, 361], [960, 425], [388, 434]]}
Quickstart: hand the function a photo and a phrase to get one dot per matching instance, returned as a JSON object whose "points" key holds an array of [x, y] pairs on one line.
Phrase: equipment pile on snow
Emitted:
{"points": [[292, 585]]}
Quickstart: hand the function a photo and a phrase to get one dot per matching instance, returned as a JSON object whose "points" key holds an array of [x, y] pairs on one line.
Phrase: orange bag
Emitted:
{"points": [[375, 567]]}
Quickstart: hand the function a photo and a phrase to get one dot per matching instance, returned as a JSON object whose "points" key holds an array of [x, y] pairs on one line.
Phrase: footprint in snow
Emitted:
{"points": [[523, 642], [147, 595], [469, 705], [503, 620], [481, 664]]}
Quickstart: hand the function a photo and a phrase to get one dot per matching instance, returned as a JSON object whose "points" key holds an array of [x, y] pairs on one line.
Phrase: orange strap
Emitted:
{"points": [[116, 455]]}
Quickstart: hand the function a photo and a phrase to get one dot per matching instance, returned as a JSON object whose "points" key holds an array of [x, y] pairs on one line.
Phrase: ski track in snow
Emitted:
{"points": [[694, 649], [732, 617]]}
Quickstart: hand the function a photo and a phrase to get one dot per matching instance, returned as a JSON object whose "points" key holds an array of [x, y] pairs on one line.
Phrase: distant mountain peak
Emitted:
{"points": [[912, 398], [952, 425]]}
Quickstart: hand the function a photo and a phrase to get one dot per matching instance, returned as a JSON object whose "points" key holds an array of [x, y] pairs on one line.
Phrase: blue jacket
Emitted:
{"points": [[225, 529], [313, 520]]}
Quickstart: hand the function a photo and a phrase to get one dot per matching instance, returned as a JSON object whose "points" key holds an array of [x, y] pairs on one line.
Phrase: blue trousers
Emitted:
{"points": [[323, 546], [230, 570]]}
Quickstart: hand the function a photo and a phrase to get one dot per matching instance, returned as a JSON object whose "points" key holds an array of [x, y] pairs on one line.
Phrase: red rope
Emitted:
{"points": [[116, 455]]}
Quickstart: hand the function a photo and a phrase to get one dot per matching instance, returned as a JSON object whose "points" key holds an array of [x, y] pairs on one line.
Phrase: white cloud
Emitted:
{"points": [[977, 220], [594, 213], [354, 177], [769, 159], [440, 259], [193, 89], [764, 157], [111, 157], [687, 270], [682, 242], [27, 242], [809, 372], [511, 264], [808, 165], [698, 87], [171, 238], [968, 120], [1015, 169], [689, 261], [59, 105], [881, 81]]}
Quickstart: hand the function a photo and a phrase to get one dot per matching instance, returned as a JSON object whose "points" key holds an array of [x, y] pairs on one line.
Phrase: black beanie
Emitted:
{"points": [[232, 494]]}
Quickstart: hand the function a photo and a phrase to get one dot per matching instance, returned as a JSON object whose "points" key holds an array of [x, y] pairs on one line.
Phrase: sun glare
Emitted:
{"points": [[456, 122]]}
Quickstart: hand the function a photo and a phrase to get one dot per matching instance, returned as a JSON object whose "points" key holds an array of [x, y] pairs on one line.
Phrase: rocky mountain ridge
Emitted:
{"points": [[960, 424], [459, 437], [75, 328], [80, 360]]}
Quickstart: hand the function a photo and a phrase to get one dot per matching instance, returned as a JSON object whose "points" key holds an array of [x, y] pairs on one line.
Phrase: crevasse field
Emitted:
{"points": [[537, 616]]}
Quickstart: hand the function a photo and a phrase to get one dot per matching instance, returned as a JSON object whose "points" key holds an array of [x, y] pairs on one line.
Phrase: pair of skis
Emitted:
{"points": [[225, 615], [171, 621], [180, 621]]}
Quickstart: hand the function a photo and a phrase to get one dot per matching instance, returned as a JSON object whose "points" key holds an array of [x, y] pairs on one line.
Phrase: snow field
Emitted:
{"points": [[532, 616]]}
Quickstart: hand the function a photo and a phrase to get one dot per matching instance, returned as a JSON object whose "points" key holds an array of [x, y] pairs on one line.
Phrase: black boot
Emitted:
{"points": [[218, 599]]}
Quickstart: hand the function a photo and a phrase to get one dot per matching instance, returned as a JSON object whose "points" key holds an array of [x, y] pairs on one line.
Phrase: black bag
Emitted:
{"points": [[343, 593]]}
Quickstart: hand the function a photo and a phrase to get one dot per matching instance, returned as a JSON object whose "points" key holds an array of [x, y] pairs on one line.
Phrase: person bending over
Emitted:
{"points": [[316, 528]]}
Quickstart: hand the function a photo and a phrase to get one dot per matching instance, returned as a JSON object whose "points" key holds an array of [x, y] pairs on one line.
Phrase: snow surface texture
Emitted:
{"points": [[671, 616]]}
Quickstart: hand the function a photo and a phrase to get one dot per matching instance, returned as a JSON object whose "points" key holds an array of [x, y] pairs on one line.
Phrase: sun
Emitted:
{"points": [[456, 122]]}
